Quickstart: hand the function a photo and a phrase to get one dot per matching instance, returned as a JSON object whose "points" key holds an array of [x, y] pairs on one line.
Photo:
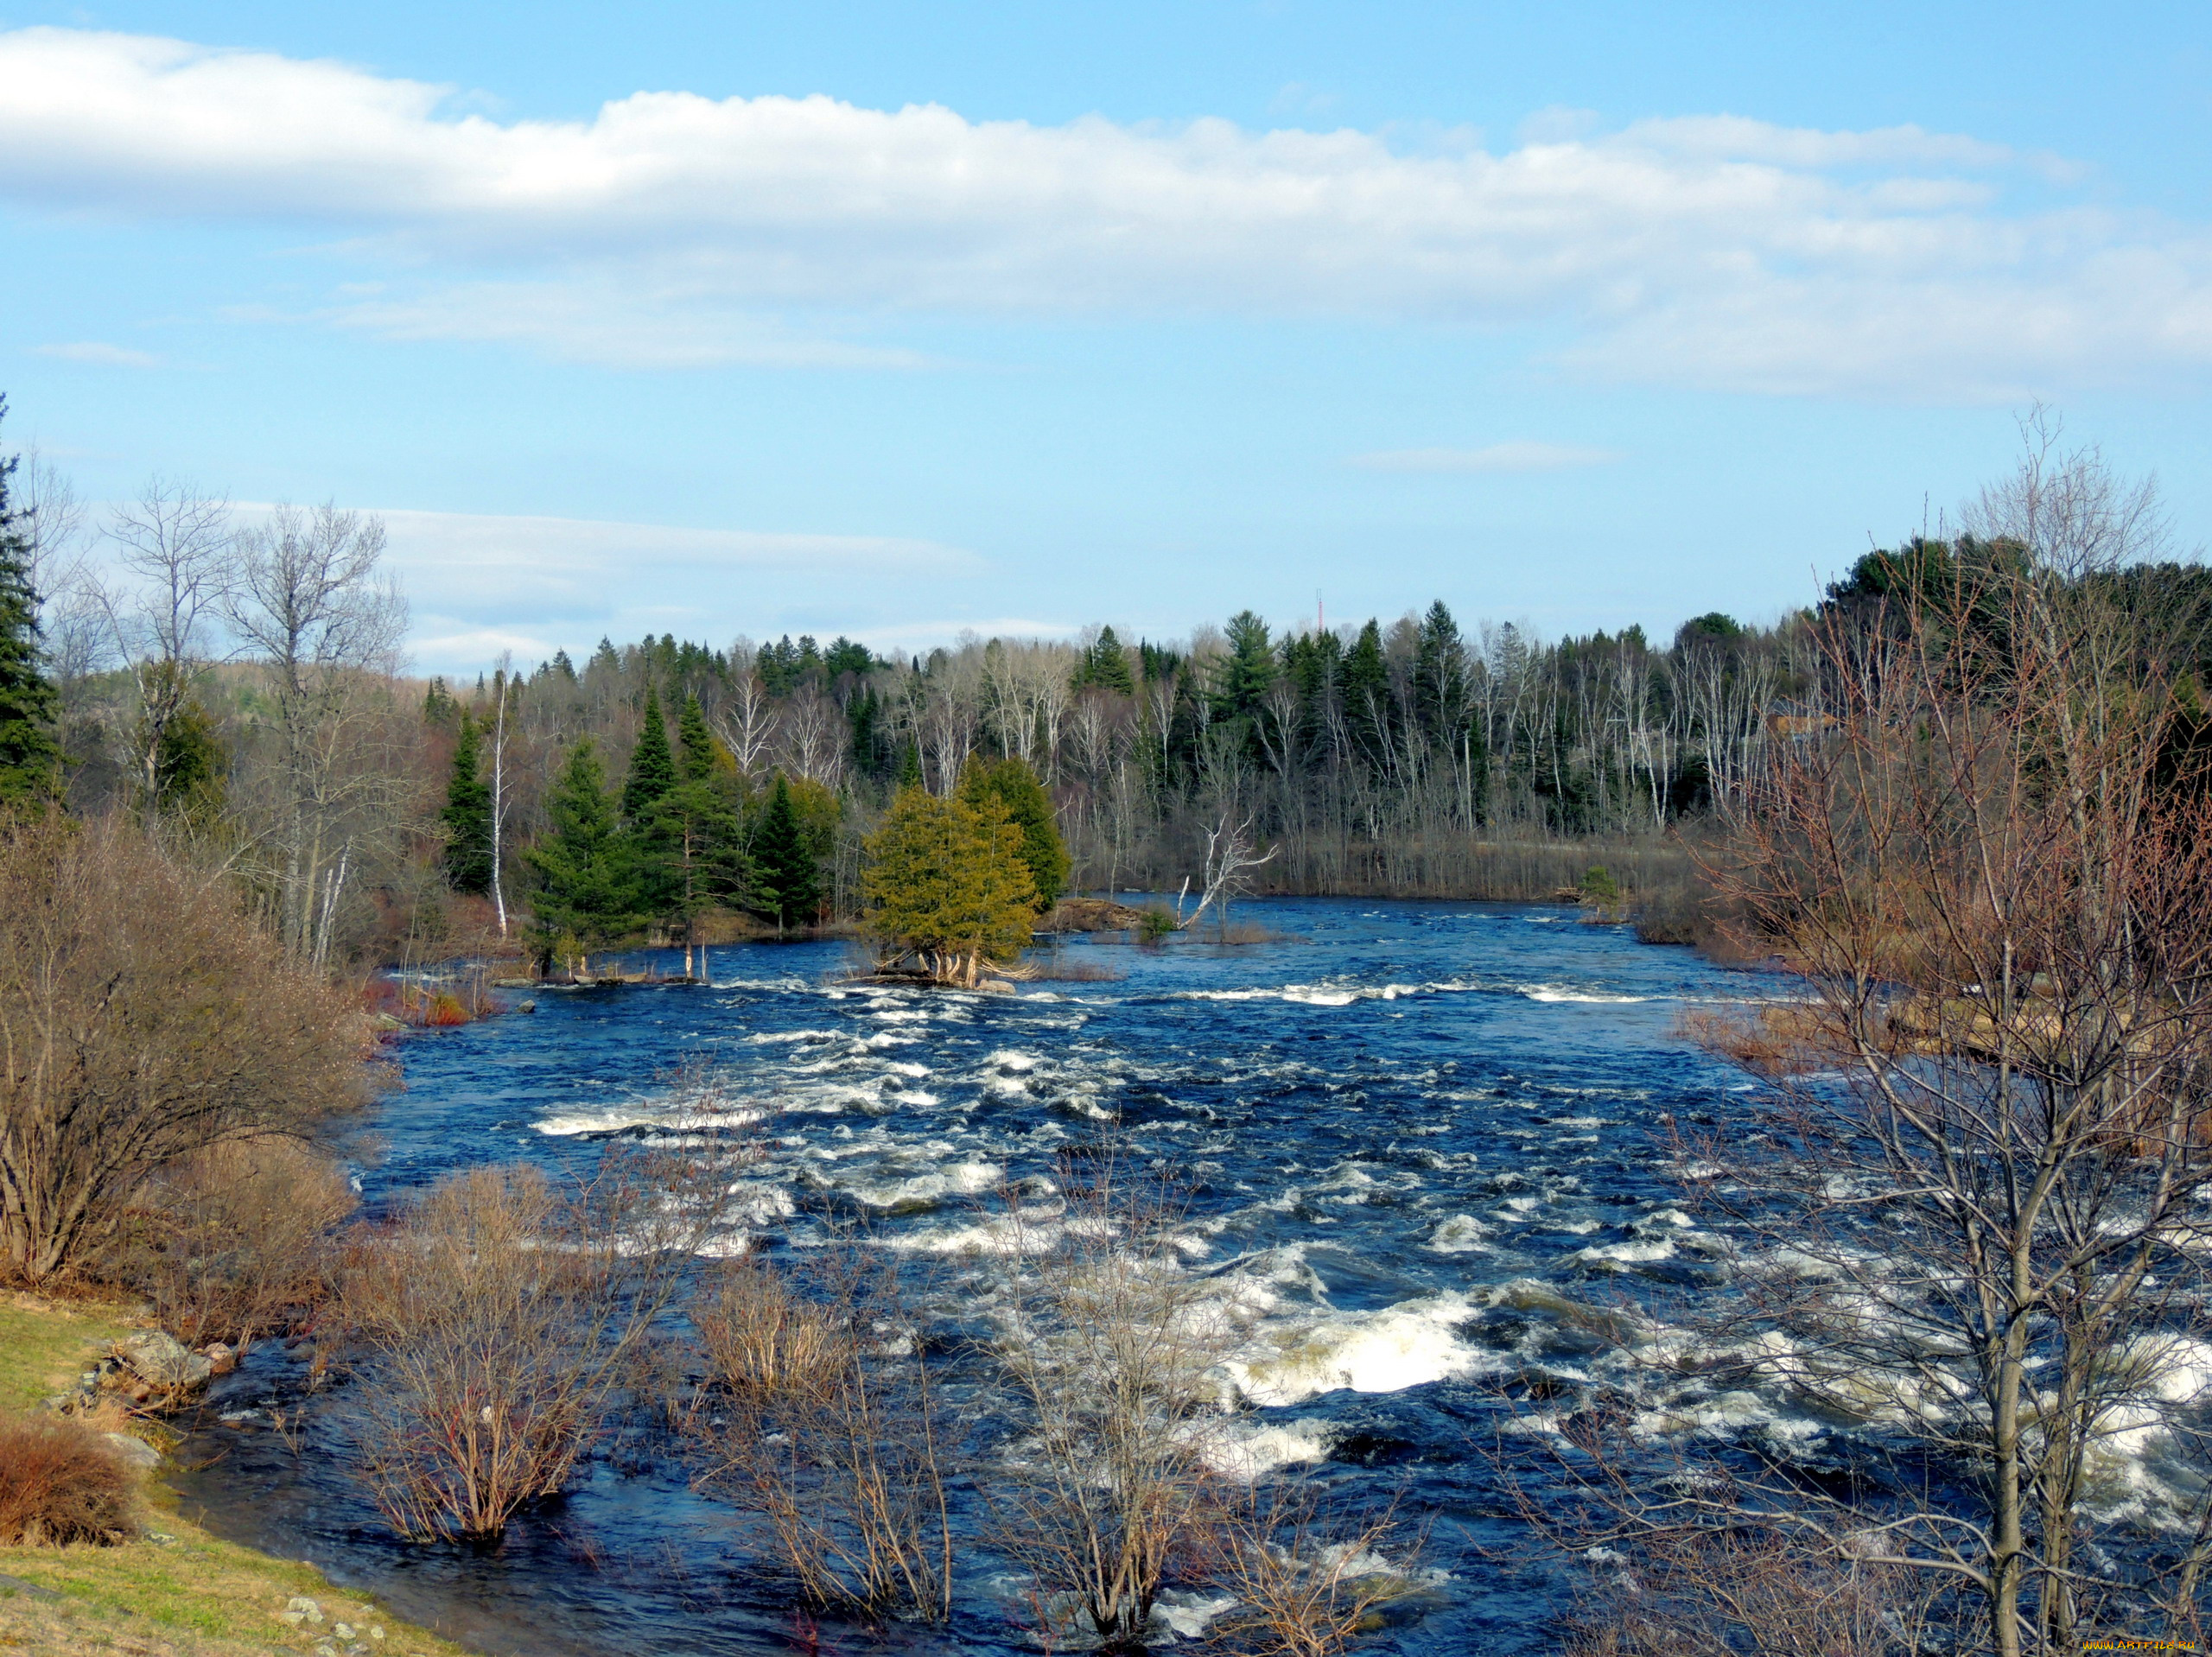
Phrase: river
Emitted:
{"points": [[1426, 1135]]}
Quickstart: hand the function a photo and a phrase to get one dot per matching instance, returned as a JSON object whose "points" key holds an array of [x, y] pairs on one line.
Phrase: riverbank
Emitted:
{"points": [[177, 1591]]}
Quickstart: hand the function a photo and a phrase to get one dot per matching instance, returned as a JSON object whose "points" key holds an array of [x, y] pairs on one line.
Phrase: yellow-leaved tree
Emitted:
{"points": [[948, 889]]}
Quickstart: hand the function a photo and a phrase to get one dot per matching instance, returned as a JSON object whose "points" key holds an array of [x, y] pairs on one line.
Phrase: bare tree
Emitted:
{"points": [[747, 724], [1230, 860], [175, 543], [1983, 1209], [309, 604]]}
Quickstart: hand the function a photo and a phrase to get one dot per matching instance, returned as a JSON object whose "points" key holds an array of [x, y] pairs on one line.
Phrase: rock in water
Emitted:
{"points": [[163, 1360]]}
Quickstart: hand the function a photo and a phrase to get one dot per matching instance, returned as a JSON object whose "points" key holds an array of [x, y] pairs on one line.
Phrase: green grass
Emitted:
{"points": [[45, 1347], [176, 1592]]}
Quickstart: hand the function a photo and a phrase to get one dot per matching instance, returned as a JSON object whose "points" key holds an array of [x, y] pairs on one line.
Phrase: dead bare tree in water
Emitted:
{"points": [[1229, 861]]}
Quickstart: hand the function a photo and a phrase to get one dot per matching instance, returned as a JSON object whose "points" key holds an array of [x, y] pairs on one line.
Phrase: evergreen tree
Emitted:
{"points": [[787, 875], [910, 764], [1015, 788], [696, 743], [468, 815], [587, 885], [1248, 671], [652, 768], [1105, 666], [190, 768], [30, 761], [1440, 679], [1367, 692], [947, 885]]}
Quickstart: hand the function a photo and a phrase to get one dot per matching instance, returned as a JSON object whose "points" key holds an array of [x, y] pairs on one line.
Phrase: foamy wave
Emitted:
{"points": [[570, 1123], [1409, 1344]]}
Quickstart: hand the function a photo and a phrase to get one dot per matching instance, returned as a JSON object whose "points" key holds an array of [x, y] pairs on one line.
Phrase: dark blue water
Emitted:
{"points": [[1422, 1150]]}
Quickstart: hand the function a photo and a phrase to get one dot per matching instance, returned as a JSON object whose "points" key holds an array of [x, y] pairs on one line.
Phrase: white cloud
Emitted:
{"points": [[1520, 456], [98, 351], [672, 229]]}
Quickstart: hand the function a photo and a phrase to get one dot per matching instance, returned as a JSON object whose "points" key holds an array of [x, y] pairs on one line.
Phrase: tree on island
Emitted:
{"points": [[587, 878], [701, 833], [1014, 787], [787, 875], [468, 815], [948, 886]]}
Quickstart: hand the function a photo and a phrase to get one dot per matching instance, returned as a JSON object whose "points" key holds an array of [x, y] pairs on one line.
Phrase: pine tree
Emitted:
{"points": [[31, 760], [652, 768], [947, 885], [787, 875], [587, 887], [468, 815], [189, 765], [1015, 788]]}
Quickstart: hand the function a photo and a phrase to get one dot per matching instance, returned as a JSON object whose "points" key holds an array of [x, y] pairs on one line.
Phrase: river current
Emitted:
{"points": [[1423, 1143]]}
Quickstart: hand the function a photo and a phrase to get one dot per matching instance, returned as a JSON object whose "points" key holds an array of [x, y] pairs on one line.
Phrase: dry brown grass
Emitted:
{"points": [[62, 1482]]}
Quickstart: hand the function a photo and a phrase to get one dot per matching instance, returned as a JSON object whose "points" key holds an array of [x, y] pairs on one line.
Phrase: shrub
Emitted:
{"points": [[62, 1482], [144, 1017], [233, 1241], [496, 1321]]}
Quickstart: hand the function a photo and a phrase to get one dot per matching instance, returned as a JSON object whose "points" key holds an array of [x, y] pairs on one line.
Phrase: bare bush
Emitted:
{"points": [[494, 1323], [1108, 1348], [236, 1241], [1306, 1589], [142, 1019], [61, 1482], [826, 1423]]}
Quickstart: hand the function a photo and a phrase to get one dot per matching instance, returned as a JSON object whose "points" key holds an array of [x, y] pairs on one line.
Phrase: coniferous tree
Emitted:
{"points": [[699, 833], [468, 815], [1248, 671], [948, 885], [31, 760], [587, 882], [1015, 788], [695, 743], [787, 876], [190, 766], [1105, 666], [652, 768], [1366, 683]]}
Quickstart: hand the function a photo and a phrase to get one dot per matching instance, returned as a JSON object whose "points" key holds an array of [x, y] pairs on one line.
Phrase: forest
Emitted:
{"points": [[242, 682]]}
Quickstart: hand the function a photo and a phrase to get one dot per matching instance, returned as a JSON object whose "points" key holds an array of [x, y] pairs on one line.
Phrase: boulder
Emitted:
{"points": [[134, 1452], [220, 1358], [162, 1361]]}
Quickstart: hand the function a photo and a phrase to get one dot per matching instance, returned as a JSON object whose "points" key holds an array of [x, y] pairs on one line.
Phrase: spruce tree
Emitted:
{"points": [[468, 815], [652, 768], [787, 877], [696, 743], [1104, 666], [31, 760], [587, 882], [1367, 692], [1248, 671], [1015, 788]]}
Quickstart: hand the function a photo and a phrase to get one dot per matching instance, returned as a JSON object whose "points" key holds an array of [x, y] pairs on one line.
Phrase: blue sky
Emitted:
{"points": [[894, 319]]}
